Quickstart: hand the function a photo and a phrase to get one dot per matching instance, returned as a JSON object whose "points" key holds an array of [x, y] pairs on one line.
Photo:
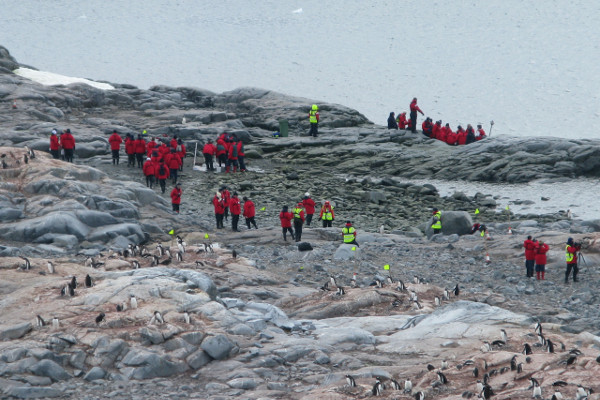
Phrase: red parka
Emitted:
{"points": [[68, 141], [530, 246], [234, 206], [176, 195], [115, 141], [157, 173], [249, 209], [219, 205], [286, 219], [209, 148], [140, 146], [150, 146], [309, 205], [481, 134], [54, 142], [129, 146], [402, 122], [415, 107], [149, 168], [172, 160], [540, 253], [461, 136]]}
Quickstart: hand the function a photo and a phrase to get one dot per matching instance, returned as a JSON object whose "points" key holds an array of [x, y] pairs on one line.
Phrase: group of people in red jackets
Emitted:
{"points": [[62, 146], [535, 253], [229, 152], [224, 202]]}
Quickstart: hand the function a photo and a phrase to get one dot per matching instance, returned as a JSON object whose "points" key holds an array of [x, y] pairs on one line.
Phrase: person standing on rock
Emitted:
{"points": [[249, 212], [327, 214], [219, 207], [436, 221], [392, 124], [226, 196], [222, 150], [241, 155], [540, 260], [571, 256], [173, 162], [149, 172], [181, 152], [130, 150], [232, 155], [68, 144], [236, 209], [349, 234], [54, 145], [162, 173], [140, 151], [414, 108], [176, 197], [286, 218], [209, 151], [530, 246], [309, 206], [298, 213], [115, 146], [313, 118]]}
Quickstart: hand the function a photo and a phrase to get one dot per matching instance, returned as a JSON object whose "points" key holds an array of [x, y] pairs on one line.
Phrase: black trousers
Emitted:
{"points": [[314, 129], [575, 269], [327, 223], [298, 230], [242, 163], [308, 219], [163, 183], [175, 207], [436, 231], [208, 161], [55, 154], [173, 175], [69, 155], [529, 266], [219, 218], [115, 156], [234, 222], [150, 181], [285, 230], [131, 160], [251, 221], [140, 159], [222, 159], [413, 121]]}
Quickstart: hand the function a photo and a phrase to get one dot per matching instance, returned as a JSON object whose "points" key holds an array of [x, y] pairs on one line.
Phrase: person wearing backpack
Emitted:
{"points": [[209, 150], [140, 151], [173, 162], [162, 173], [232, 155], [249, 212], [130, 150], [298, 213], [221, 150], [176, 197]]}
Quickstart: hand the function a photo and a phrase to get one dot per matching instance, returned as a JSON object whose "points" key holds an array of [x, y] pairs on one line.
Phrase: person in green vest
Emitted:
{"points": [[298, 213], [313, 117], [436, 221], [349, 234], [327, 215], [571, 256]]}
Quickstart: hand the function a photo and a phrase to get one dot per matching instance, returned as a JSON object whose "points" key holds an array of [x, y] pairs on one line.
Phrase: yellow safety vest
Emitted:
{"points": [[348, 234], [568, 255], [313, 116], [438, 220], [296, 212], [327, 215]]}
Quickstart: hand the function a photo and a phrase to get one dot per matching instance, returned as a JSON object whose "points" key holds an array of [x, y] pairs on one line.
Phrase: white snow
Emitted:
{"points": [[49, 79]]}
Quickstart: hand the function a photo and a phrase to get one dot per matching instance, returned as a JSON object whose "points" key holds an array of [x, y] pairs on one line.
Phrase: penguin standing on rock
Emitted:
{"points": [[55, 323], [408, 386], [39, 321], [526, 349], [51, 267], [27, 265], [377, 388], [456, 290], [88, 281], [350, 380], [442, 377], [133, 302], [100, 318]]}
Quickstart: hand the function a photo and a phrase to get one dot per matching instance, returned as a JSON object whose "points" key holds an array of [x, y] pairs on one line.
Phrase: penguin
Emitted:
{"points": [[503, 336], [576, 352], [378, 283], [538, 328], [446, 294], [499, 343], [135, 264], [581, 393], [571, 360], [100, 318], [537, 392], [528, 360], [179, 256], [541, 339], [158, 317], [155, 261], [27, 265], [168, 253], [63, 291], [469, 362], [234, 254], [30, 152], [444, 364], [526, 349], [416, 304], [486, 392], [598, 359], [137, 249], [416, 279], [504, 369], [430, 367], [332, 281], [381, 230], [400, 286], [340, 291], [160, 250], [550, 346], [534, 382], [408, 386], [166, 261], [557, 395], [180, 241], [389, 279], [513, 363], [39, 321], [486, 347], [74, 282], [396, 303], [419, 396], [88, 281], [479, 386], [467, 394], [144, 252], [475, 372], [485, 365], [200, 263], [26, 158], [377, 388], [442, 377], [120, 307], [353, 280], [456, 290], [394, 383], [55, 323], [350, 380], [519, 368], [437, 301], [126, 253], [133, 302], [50, 267], [325, 287], [71, 290], [186, 318]]}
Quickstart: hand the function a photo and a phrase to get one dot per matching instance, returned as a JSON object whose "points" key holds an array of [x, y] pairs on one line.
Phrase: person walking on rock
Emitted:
{"points": [[181, 152], [222, 150], [309, 207], [298, 213], [54, 145], [349, 234], [313, 118], [249, 212], [540, 260], [68, 144], [226, 196], [571, 256], [530, 246], [209, 151], [236, 209], [436, 221], [162, 173], [115, 146], [241, 155], [176, 197], [219, 206], [286, 218], [392, 124], [149, 172], [327, 214], [140, 150], [414, 108], [173, 162], [130, 150]]}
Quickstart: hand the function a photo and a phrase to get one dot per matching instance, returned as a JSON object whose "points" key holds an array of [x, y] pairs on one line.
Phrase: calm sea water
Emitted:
{"points": [[530, 66]]}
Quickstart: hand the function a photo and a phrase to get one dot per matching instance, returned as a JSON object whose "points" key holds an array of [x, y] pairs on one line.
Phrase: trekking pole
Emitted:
{"points": [[195, 151], [491, 126]]}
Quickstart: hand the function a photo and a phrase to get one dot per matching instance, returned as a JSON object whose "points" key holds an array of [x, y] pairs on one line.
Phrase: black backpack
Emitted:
{"points": [[161, 170]]}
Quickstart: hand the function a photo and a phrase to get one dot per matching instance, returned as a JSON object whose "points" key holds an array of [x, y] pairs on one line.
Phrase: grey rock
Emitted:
{"points": [[243, 383], [13, 355], [28, 392], [94, 374], [50, 369], [150, 365], [218, 347], [198, 359], [453, 222], [346, 252], [15, 331], [151, 335]]}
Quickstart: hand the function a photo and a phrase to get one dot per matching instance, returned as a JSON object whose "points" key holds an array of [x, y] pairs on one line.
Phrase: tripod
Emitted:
{"points": [[582, 258]]}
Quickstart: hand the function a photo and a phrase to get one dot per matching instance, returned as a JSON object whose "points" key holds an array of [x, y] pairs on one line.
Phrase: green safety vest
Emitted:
{"points": [[438, 220], [296, 211], [327, 216], [568, 255], [313, 116], [348, 234]]}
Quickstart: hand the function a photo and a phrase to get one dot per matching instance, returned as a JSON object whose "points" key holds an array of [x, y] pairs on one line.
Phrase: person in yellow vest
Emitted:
{"points": [[436, 221], [571, 255], [313, 117], [349, 234], [327, 214], [298, 212]]}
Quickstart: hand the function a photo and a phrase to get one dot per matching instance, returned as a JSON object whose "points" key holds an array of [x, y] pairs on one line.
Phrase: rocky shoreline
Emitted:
{"points": [[259, 326]]}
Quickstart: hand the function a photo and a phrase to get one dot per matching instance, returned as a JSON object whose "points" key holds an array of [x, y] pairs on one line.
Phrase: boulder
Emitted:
{"points": [[453, 222], [218, 347], [148, 365], [198, 359], [346, 252], [50, 369], [94, 374], [15, 331], [32, 392]]}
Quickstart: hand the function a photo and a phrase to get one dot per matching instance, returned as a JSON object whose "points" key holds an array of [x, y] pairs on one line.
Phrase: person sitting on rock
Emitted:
{"points": [[402, 122], [451, 137], [349, 234], [441, 132], [480, 132], [461, 136], [327, 215], [470, 134], [540, 260], [392, 124], [286, 218], [427, 127]]}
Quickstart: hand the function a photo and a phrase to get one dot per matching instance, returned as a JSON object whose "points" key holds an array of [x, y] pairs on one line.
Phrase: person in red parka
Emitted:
{"points": [[150, 146], [249, 212], [173, 142], [54, 145], [140, 151], [286, 222], [309, 206], [481, 133], [219, 209], [161, 173], [180, 150], [115, 146], [232, 155], [461, 136], [414, 108], [540, 259], [530, 246], [241, 155], [67, 142], [176, 197], [427, 127], [441, 133], [451, 137], [149, 171], [173, 162], [163, 150], [402, 122], [209, 150], [226, 196], [236, 209], [222, 150], [130, 150]]}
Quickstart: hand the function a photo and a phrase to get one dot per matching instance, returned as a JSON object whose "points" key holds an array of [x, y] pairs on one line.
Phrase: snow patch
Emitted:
{"points": [[49, 79]]}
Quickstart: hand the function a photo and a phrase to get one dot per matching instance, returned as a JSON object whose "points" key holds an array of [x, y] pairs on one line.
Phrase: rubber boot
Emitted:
{"points": [[227, 169], [538, 275], [543, 275]]}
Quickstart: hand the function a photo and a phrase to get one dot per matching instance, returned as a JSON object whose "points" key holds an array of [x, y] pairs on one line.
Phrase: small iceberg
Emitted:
{"points": [[49, 78], [298, 11]]}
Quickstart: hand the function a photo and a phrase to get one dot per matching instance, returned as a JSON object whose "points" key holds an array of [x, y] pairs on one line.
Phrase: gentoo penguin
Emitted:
{"points": [[442, 377], [160, 250], [519, 368], [534, 382], [542, 339], [378, 283], [486, 392], [419, 396], [446, 294], [120, 307], [168, 253], [155, 261], [133, 302], [144, 252], [437, 301], [400, 286], [394, 383], [137, 249], [350, 380], [39, 321], [377, 388], [55, 323], [50, 267], [479, 386], [407, 386], [598, 359], [537, 392], [353, 280], [71, 290], [74, 282], [456, 290], [557, 396], [26, 158], [100, 318], [475, 372], [88, 281], [504, 369], [581, 393], [526, 349], [503, 336], [397, 303], [325, 287], [550, 346], [416, 304], [381, 230], [486, 347], [444, 364], [389, 279], [135, 264], [513, 363], [576, 352], [538, 328], [416, 279], [467, 394], [340, 291], [528, 360], [63, 291], [179, 256], [332, 282], [200, 263], [186, 318], [27, 265], [430, 367], [158, 317]]}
